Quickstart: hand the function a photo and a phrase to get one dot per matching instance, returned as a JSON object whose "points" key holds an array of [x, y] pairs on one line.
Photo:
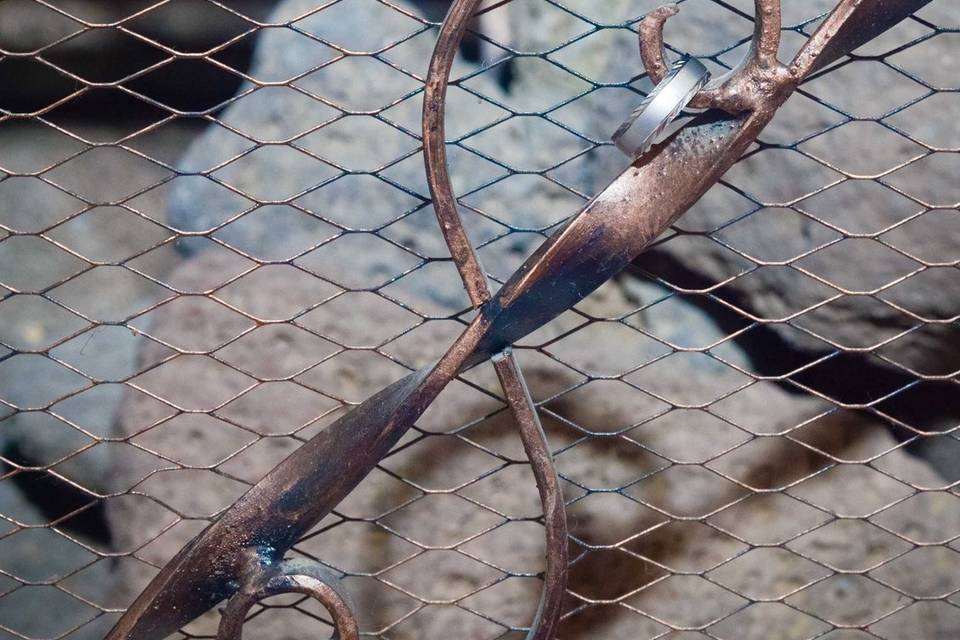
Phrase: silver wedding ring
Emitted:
{"points": [[649, 120]]}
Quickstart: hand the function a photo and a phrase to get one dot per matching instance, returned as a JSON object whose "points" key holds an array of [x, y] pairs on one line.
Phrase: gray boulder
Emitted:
{"points": [[354, 183], [357, 174], [38, 324]]}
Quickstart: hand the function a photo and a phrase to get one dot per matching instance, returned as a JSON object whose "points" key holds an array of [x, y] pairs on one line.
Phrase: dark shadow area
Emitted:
{"points": [[56, 499], [195, 85], [109, 56], [846, 377], [186, 85]]}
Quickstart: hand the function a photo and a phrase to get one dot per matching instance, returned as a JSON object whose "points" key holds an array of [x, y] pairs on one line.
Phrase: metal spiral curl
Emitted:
{"points": [[290, 576]]}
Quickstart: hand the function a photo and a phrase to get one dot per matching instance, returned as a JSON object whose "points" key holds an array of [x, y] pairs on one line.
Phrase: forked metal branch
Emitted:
{"points": [[748, 85], [241, 557]]}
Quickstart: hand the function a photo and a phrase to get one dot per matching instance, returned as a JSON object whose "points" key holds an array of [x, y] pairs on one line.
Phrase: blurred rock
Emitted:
{"points": [[71, 37], [315, 201], [837, 293], [63, 414], [100, 238]]}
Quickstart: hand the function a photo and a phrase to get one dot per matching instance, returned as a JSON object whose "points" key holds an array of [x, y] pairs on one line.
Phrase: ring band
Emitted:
{"points": [[661, 106]]}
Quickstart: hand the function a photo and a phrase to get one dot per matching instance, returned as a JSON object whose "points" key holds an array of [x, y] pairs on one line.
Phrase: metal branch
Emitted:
{"points": [[435, 155], [254, 534], [744, 88]]}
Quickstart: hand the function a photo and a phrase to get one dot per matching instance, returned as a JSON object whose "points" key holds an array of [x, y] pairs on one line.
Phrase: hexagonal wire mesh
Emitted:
{"points": [[216, 235]]}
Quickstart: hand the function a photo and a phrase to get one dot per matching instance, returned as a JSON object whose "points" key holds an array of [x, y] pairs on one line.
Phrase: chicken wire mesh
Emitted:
{"points": [[216, 235]]}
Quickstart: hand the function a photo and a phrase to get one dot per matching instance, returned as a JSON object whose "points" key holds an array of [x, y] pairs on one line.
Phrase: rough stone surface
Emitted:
{"points": [[30, 322], [319, 209]]}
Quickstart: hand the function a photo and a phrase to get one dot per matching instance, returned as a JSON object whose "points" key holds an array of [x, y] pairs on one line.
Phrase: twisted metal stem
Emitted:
{"points": [[251, 538]]}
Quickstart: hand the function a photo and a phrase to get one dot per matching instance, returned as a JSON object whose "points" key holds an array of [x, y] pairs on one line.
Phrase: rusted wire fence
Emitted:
{"points": [[215, 235]]}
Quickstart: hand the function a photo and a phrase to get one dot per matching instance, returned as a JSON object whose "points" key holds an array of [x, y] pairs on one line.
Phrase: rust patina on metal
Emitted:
{"points": [[240, 557]]}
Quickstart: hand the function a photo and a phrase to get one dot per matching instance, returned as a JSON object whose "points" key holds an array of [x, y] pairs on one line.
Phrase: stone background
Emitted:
{"points": [[660, 463]]}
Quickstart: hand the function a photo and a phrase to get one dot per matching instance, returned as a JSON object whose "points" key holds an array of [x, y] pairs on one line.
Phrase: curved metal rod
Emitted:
{"points": [[596, 244], [534, 440], [459, 16], [290, 576], [547, 618]]}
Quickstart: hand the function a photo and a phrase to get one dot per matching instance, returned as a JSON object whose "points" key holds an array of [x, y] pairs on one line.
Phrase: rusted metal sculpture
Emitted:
{"points": [[240, 557]]}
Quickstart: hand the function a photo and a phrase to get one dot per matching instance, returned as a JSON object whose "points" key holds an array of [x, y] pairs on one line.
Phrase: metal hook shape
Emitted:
{"points": [[290, 576], [747, 87]]}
